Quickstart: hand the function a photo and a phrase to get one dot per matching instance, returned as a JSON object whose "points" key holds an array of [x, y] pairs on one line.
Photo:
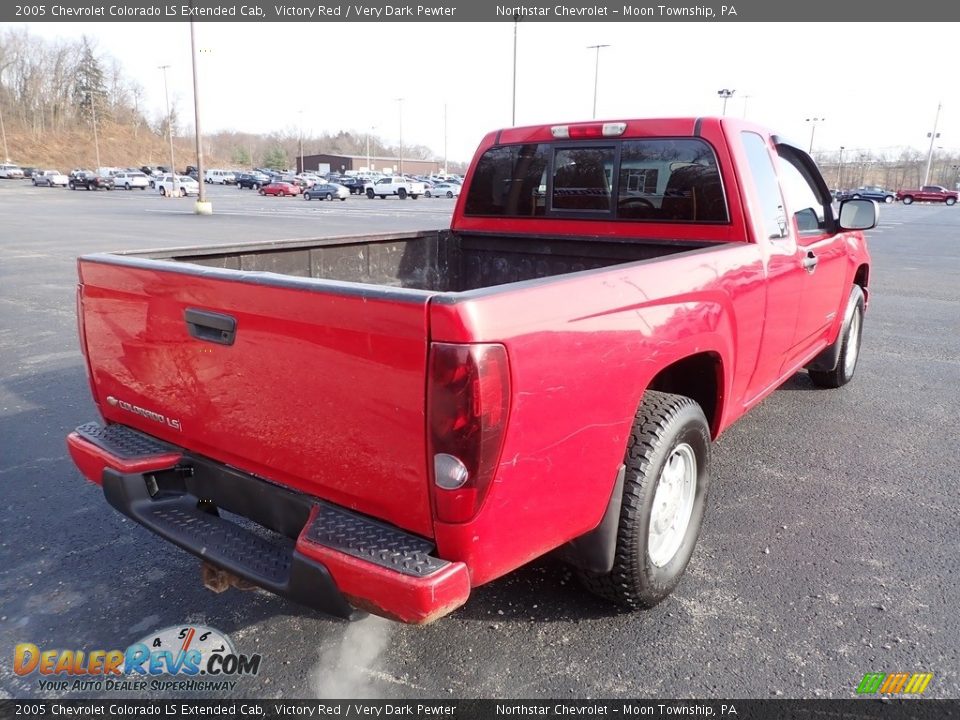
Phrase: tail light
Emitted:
{"points": [[585, 131], [468, 401]]}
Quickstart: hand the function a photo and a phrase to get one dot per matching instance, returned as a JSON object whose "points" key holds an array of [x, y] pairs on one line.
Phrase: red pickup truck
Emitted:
{"points": [[399, 418], [929, 193]]}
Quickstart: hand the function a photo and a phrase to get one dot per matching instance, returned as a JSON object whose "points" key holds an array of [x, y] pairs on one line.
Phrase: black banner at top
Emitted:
{"points": [[474, 11]]}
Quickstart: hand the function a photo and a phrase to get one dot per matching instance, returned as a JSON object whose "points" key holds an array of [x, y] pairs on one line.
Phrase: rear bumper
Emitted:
{"points": [[308, 550]]}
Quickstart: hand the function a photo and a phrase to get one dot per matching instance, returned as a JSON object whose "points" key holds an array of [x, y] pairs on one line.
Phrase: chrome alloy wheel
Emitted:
{"points": [[672, 505]]}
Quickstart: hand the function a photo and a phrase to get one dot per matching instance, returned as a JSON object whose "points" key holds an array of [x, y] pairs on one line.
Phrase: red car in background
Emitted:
{"points": [[929, 193], [280, 188]]}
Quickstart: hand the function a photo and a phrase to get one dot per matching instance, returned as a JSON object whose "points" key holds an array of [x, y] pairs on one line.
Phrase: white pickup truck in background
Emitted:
{"points": [[395, 185]]}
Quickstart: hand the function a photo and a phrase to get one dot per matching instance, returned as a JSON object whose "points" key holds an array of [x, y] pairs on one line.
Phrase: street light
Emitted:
{"points": [[96, 139], [726, 94], [444, 138], [596, 74], [399, 102], [956, 176], [6, 153], [745, 99], [166, 93], [202, 207], [840, 169], [372, 128], [933, 136], [813, 129], [300, 134]]}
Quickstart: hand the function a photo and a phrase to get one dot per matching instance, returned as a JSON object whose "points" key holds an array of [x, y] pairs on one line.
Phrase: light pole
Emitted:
{"points": [[400, 112], [202, 207], [725, 95], [745, 99], [444, 138], [166, 93], [840, 169], [96, 139], [813, 129], [596, 74], [956, 176], [933, 136], [513, 109]]}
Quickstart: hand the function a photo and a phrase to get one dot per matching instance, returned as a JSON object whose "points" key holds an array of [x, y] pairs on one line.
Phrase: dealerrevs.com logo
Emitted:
{"points": [[902, 683], [177, 658]]}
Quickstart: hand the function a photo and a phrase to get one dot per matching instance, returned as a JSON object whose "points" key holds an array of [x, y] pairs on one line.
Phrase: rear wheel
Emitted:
{"points": [[427, 194], [888, 199], [330, 197], [370, 193], [383, 197], [183, 192], [664, 496], [849, 339], [163, 191], [951, 201], [907, 199], [449, 194]]}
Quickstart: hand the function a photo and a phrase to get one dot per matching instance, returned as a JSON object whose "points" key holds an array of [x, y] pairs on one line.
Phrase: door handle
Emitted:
{"points": [[210, 326], [810, 261]]}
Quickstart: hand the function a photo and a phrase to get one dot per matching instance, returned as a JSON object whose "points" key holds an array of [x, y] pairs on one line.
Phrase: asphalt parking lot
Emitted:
{"points": [[831, 545]]}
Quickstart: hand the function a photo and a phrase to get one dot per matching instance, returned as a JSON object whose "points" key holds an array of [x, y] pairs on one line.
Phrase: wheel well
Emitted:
{"points": [[699, 377], [861, 278]]}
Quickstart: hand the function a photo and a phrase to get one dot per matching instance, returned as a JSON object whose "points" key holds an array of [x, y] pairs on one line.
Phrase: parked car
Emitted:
{"points": [[183, 186], [354, 185], [253, 180], [219, 177], [89, 180], [11, 172], [129, 180], [869, 192], [50, 178], [546, 375], [326, 191], [447, 190], [929, 193], [279, 187]]}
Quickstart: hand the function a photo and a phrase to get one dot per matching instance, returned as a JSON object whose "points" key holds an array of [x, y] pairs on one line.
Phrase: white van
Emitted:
{"points": [[219, 177]]}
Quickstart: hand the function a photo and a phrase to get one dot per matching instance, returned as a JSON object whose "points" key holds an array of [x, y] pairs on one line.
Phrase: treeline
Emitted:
{"points": [[894, 169], [53, 93]]}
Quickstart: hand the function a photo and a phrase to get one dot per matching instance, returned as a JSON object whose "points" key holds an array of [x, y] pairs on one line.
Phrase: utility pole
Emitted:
{"points": [[3, 131], [444, 138], [173, 169], [400, 110], [725, 95], [202, 207], [745, 99], [596, 75], [933, 136], [840, 170], [300, 133], [513, 110]]}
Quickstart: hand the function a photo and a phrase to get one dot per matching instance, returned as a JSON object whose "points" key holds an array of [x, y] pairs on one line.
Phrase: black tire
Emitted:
{"points": [[255, 186], [427, 194], [449, 195], [370, 193], [907, 199], [850, 337], [329, 197], [163, 192], [383, 197], [888, 199], [183, 192], [262, 193], [950, 201], [664, 425], [307, 196], [72, 186], [402, 193], [343, 199]]}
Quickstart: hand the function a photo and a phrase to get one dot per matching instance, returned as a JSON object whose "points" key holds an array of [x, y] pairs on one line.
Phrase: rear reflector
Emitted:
{"points": [[588, 130], [468, 400]]}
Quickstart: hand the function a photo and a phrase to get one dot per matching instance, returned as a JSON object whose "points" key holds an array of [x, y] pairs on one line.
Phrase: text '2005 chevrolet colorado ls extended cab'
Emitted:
{"points": [[408, 416]]}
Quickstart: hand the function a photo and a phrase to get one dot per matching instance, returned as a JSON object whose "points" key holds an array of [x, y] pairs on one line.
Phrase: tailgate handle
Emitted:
{"points": [[210, 326]]}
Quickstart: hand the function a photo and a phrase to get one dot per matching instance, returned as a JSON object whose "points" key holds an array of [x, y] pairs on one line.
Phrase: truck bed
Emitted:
{"points": [[435, 261]]}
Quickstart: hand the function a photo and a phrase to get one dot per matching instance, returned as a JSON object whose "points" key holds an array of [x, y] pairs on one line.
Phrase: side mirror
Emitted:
{"points": [[859, 214]]}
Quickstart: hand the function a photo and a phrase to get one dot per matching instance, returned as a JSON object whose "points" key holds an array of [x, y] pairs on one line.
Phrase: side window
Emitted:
{"points": [[765, 182], [509, 181], [809, 209]]}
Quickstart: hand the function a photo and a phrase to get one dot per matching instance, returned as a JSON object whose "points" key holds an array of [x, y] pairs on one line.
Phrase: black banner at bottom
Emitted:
{"points": [[864, 709]]}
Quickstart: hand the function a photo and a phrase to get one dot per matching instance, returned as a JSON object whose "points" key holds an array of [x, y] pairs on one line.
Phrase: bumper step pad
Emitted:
{"points": [[373, 541], [124, 442]]}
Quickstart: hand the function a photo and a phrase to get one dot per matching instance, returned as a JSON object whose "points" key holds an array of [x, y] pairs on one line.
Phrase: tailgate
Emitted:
{"points": [[320, 387]]}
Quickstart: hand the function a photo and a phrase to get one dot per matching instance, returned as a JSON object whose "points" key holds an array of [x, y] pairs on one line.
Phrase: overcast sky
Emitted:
{"points": [[876, 85]]}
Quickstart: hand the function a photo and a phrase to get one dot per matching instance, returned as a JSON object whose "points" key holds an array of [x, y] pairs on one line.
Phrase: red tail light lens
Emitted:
{"points": [[468, 401]]}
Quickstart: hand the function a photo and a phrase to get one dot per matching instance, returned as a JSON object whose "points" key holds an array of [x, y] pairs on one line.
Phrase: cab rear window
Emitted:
{"points": [[671, 180]]}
